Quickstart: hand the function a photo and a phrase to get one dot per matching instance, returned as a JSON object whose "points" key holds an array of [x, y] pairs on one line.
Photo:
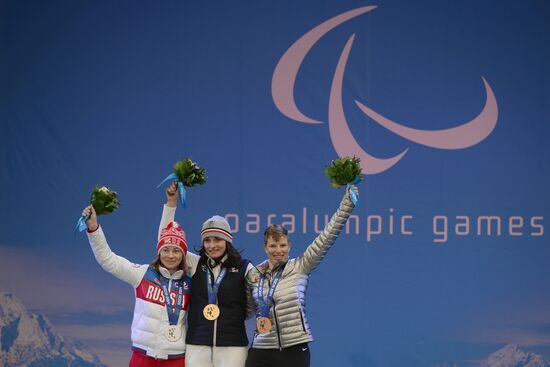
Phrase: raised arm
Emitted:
{"points": [[168, 215], [317, 250], [109, 261], [169, 209]]}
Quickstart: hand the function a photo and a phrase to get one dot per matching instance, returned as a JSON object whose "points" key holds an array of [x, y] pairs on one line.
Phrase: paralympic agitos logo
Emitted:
{"points": [[282, 88]]}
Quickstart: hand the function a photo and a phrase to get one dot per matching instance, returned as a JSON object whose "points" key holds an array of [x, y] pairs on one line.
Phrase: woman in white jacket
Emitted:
{"points": [[162, 294]]}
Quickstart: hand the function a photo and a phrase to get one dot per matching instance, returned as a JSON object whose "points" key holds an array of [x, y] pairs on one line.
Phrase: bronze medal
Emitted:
{"points": [[211, 312], [263, 324]]}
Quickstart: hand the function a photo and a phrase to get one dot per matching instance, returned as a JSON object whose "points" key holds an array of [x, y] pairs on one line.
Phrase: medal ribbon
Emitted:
{"points": [[213, 289], [173, 313], [183, 193], [265, 303]]}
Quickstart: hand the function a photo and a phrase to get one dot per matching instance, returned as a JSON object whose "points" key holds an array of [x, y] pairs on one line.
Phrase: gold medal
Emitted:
{"points": [[263, 324], [173, 333], [211, 312]]}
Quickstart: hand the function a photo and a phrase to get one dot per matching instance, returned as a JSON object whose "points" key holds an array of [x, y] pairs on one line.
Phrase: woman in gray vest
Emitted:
{"points": [[278, 287]]}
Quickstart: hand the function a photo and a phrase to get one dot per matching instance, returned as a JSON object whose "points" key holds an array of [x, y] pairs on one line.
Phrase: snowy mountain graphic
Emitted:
{"points": [[29, 340], [512, 356], [509, 356]]}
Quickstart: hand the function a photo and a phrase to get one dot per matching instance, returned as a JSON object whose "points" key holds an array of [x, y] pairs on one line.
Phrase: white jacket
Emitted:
{"points": [[150, 322]]}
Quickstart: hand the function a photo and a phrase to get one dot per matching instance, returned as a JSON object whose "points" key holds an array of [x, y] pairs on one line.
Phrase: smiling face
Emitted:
{"points": [[277, 250], [171, 257], [214, 247]]}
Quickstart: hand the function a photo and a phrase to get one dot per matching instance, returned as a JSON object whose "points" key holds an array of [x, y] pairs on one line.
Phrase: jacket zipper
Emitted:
{"points": [[165, 302], [275, 317], [211, 274], [302, 319], [215, 329]]}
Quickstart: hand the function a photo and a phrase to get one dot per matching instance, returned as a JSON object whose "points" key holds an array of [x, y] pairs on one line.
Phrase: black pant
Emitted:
{"points": [[295, 356]]}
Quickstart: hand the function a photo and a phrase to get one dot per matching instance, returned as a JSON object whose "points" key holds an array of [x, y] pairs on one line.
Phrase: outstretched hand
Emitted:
{"points": [[172, 193], [91, 223]]}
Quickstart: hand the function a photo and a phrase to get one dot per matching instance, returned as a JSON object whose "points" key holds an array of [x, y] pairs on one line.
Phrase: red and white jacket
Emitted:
{"points": [[150, 322]]}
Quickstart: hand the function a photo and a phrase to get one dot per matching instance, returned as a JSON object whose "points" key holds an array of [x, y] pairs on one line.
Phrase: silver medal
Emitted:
{"points": [[173, 333]]}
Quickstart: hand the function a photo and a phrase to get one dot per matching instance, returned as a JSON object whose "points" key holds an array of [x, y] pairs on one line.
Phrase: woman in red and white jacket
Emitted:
{"points": [[158, 326]]}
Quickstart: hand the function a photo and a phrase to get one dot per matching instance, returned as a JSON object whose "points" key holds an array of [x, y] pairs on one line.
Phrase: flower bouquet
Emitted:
{"points": [[345, 171], [188, 174], [104, 201]]}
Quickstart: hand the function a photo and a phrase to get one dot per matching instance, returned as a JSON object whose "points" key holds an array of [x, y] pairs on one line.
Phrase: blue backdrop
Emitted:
{"points": [[445, 261]]}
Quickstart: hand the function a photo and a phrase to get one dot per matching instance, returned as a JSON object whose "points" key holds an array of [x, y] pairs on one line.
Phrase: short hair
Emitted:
{"points": [[276, 231]]}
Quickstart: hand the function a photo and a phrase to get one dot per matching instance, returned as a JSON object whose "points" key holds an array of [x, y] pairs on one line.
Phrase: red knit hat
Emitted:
{"points": [[172, 235]]}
